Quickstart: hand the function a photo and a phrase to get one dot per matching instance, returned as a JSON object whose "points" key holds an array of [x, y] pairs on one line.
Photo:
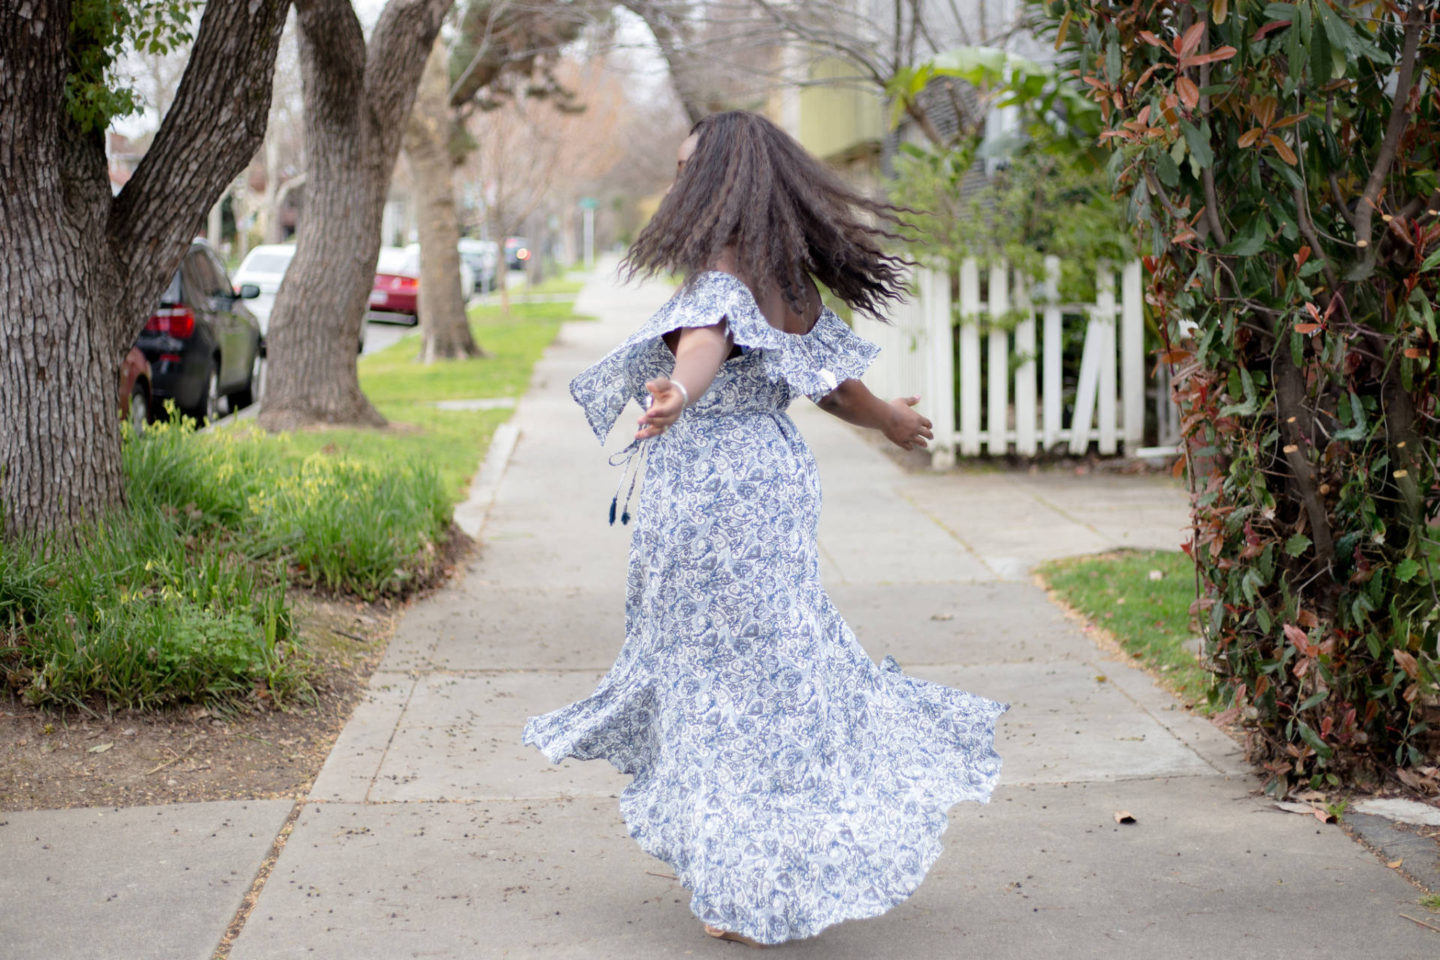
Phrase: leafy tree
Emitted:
{"points": [[1049, 193], [81, 267], [1281, 161]]}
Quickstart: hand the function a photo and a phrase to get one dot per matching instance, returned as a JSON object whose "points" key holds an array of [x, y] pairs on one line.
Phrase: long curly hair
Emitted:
{"points": [[751, 186]]}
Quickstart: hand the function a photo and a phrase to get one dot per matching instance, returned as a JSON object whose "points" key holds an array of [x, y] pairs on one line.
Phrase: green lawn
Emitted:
{"points": [[405, 392], [184, 596], [561, 284], [1150, 619]]}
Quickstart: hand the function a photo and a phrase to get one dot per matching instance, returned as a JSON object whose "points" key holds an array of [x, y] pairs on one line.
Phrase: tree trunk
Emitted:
{"points": [[444, 327], [355, 110], [59, 417], [80, 269]]}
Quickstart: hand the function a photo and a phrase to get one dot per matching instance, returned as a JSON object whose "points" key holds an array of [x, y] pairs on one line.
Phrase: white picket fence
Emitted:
{"points": [[1022, 410]]}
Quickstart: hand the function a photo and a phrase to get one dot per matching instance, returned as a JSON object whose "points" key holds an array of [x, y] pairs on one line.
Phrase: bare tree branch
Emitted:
{"points": [[211, 131], [1399, 119]]}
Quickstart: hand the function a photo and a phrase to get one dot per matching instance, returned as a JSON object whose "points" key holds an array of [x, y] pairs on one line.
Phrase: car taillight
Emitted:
{"points": [[176, 321], [409, 283]]}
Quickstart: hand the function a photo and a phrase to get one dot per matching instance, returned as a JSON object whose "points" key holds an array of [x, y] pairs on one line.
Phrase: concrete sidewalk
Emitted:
{"points": [[431, 832]]}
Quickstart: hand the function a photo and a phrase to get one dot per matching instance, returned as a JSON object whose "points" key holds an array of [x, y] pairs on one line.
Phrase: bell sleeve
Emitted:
{"points": [[810, 364]]}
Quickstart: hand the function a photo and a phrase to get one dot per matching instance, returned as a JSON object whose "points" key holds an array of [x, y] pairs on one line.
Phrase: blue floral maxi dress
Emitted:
{"points": [[789, 781]]}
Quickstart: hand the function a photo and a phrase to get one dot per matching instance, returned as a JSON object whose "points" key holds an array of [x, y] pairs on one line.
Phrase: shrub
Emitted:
{"points": [[1048, 193], [1281, 160]]}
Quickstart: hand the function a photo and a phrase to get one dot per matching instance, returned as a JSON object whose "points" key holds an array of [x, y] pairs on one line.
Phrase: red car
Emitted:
{"points": [[397, 285], [135, 389], [396, 293]]}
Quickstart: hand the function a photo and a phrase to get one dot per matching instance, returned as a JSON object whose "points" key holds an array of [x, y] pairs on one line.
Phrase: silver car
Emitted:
{"points": [[265, 266]]}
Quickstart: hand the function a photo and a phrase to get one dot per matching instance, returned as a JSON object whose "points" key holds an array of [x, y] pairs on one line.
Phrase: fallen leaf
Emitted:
{"points": [[1319, 813], [942, 616], [1124, 816], [1425, 780], [101, 747], [1395, 864], [1101, 678]]}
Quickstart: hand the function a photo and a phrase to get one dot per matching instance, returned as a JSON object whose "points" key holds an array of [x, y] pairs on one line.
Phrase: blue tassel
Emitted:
{"points": [[623, 459]]}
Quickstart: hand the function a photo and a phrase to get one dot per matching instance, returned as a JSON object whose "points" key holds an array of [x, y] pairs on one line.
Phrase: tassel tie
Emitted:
{"points": [[632, 459]]}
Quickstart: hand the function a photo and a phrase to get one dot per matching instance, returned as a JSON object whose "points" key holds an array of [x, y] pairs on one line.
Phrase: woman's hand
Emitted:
{"points": [[699, 353], [853, 402], [906, 428], [666, 402]]}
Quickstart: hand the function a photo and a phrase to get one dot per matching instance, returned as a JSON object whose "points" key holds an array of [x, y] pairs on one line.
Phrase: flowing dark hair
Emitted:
{"points": [[788, 215]]}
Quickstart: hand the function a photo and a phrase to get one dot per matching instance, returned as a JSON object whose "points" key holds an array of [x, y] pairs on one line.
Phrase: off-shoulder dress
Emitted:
{"points": [[789, 780]]}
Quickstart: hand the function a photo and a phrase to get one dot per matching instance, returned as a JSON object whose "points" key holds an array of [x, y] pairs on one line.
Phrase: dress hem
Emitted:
{"points": [[556, 752]]}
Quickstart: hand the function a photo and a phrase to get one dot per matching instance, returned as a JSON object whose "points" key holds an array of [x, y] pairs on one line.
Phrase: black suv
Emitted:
{"points": [[202, 344]]}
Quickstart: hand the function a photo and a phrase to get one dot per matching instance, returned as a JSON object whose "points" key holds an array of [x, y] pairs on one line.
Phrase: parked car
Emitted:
{"points": [[202, 343], [482, 257], [135, 389], [517, 251], [396, 294], [265, 266]]}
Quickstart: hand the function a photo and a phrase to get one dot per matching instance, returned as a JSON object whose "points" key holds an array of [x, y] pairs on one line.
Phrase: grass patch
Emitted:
{"points": [[559, 285], [183, 596], [1431, 901], [1150, 619], [450, 441], [144, 614]]}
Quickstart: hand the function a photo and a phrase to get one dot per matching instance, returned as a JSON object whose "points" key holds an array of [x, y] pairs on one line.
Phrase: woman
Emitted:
{"points": [[789, 781]]}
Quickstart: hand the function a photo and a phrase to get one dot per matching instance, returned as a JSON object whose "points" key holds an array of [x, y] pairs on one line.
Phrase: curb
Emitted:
{"points": [[1417, 856], [470, 515]]}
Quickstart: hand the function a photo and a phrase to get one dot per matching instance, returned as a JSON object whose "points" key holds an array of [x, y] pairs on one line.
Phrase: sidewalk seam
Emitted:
{"points": [[257, 886], [904, 495], [1159, 721], [390, 740]]}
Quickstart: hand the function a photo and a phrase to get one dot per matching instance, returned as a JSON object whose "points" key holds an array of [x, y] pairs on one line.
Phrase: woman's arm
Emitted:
{"points": [[699, 353], [853, 402]]}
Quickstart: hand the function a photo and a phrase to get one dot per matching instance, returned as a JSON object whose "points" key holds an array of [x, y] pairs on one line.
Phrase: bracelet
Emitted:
{"points": [[683, 392]]}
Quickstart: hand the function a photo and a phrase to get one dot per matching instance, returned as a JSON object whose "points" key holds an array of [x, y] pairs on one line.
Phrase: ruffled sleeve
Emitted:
{"points": [[812, 364]]}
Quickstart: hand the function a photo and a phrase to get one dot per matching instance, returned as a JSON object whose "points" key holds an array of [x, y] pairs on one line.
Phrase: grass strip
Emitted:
{"points": [[1142, 599], [406, 393], [182, 597]]}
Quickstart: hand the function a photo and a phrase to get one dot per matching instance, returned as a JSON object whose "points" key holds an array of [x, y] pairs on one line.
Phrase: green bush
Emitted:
{"points": [[1280, 158]]}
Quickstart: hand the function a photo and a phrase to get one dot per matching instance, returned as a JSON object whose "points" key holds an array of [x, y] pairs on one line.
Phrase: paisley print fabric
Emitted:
{"points": [[789, 780]]}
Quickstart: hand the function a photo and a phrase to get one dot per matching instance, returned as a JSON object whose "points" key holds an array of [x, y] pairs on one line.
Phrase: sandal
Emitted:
{"points": [[719, 934]]}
